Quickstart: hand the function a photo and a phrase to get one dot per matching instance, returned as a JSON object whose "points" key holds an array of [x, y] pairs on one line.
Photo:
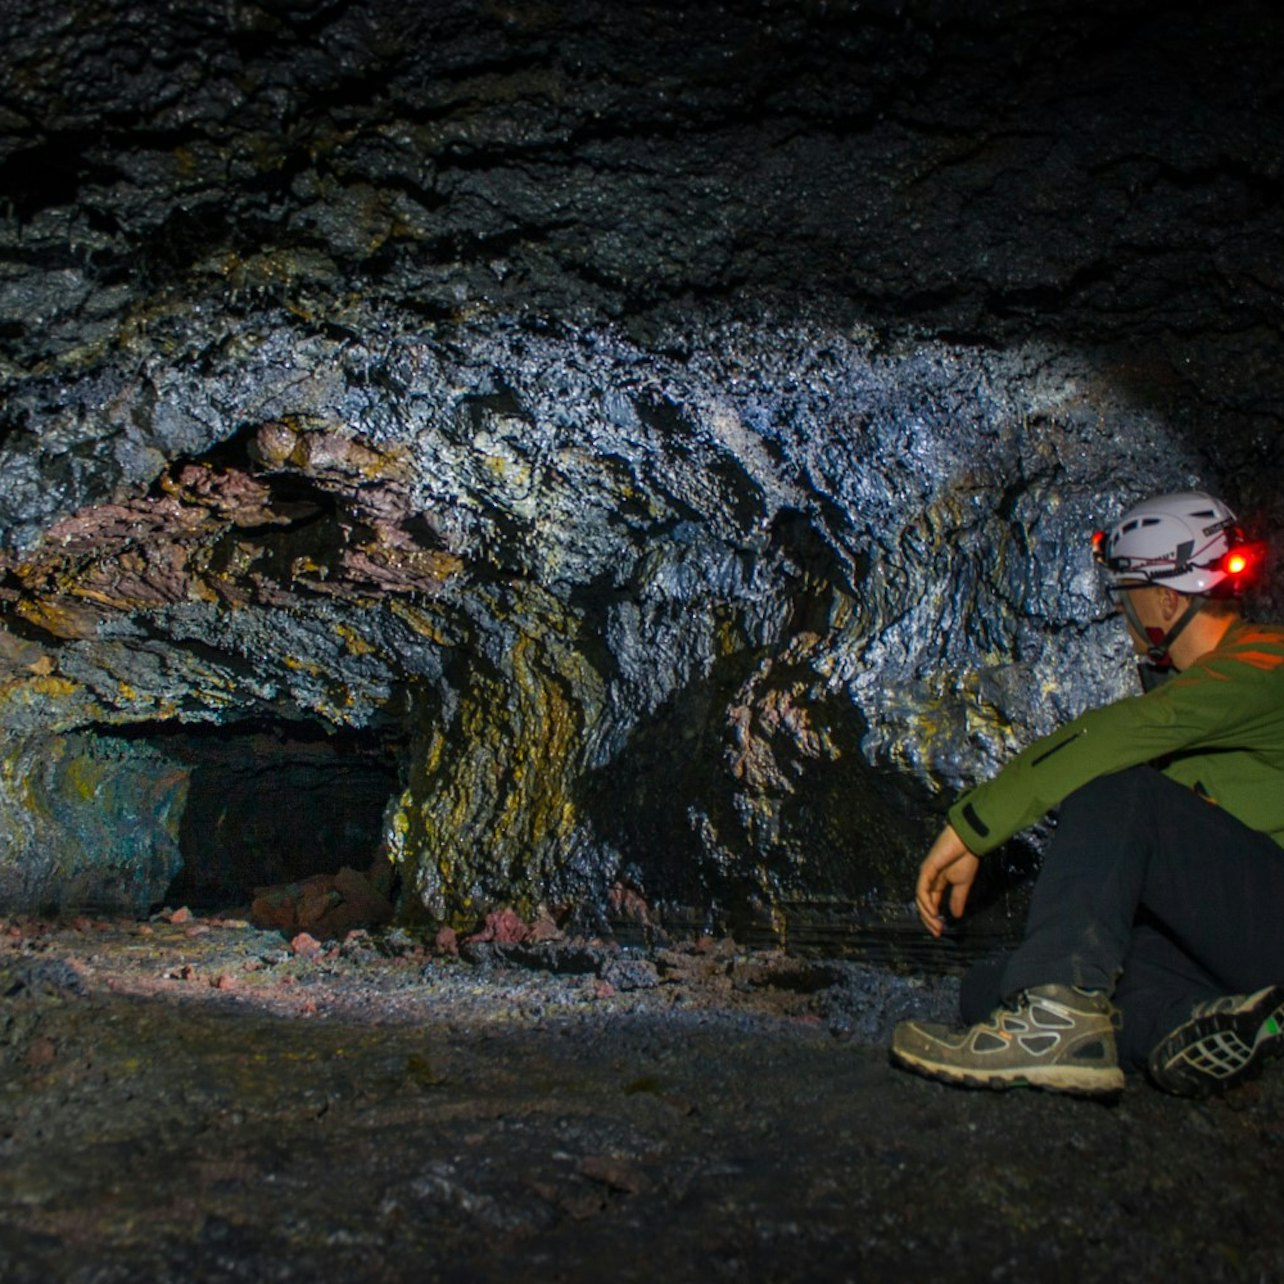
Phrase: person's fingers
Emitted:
{"points": [[928, 900]]}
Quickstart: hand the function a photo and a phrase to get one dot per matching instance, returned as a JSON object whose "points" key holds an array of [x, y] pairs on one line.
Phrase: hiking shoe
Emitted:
{"points": [[1052, 1036], [1226, 1041]]}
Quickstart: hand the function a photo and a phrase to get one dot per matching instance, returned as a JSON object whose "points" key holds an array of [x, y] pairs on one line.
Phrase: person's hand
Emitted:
{"points": [[950, 864]]}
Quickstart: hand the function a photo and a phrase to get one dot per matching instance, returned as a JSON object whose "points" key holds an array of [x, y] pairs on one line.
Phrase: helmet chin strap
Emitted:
{"points": [[1158, 664]]}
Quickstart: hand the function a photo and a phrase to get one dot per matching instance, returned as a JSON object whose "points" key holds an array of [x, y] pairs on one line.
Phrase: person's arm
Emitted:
{"points": [[1210, 704], [1217, 702]]}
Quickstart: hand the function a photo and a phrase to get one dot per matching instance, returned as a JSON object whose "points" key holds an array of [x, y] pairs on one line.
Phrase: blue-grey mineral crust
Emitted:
{"points": [[656, 448]]}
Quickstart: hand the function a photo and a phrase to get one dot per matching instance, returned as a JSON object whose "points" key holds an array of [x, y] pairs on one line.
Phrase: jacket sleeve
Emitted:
{"points": [[1204, 707]]}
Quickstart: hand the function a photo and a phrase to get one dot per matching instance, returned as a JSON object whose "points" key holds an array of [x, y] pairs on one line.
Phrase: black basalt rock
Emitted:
{"points": [[663, 441]]}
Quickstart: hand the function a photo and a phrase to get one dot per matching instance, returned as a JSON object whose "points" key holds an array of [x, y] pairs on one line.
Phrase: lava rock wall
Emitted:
{"points": [[668, 438]]}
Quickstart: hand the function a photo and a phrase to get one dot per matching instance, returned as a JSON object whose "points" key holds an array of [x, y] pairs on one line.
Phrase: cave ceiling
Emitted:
{"points": [[669, 430]]}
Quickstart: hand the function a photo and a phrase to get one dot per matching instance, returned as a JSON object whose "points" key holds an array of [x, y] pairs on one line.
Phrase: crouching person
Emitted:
{"points": [[1153, 939]]}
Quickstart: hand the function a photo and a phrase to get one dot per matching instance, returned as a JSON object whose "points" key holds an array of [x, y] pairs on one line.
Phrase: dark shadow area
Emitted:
{"points": [[716, 811], [1101, 174], [273, 805]]}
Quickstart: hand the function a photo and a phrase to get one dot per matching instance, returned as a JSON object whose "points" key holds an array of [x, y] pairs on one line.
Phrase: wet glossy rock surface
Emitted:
{"points": [[661, 441]]}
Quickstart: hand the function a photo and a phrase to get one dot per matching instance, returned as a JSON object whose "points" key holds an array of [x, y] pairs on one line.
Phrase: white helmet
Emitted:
{"points": [[1187, 541]]}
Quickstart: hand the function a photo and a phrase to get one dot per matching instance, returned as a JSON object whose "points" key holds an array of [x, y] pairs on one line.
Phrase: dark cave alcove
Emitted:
{"points": [[275, 804]]}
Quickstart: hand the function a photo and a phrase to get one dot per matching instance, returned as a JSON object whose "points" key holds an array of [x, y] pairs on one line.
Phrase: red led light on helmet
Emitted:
{"points": [[1240, 564]]}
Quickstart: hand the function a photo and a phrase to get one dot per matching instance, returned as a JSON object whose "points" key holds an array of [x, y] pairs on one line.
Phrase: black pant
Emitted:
{"points": [[1151, 892]]}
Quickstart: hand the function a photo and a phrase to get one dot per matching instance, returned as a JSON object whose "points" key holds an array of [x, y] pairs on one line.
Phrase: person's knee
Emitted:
{"points": [[1119, 793], [1125, 783]]}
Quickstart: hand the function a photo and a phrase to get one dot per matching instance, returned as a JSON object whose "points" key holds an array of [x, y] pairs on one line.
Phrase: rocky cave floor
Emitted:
{"points": [[192, 1099]]}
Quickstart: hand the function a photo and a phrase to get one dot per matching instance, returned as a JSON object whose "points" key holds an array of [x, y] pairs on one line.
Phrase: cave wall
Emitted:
{"points": [[673, 434]]}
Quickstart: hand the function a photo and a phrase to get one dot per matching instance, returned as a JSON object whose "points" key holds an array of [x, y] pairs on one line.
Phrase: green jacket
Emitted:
{"points": [[1218, 727]]}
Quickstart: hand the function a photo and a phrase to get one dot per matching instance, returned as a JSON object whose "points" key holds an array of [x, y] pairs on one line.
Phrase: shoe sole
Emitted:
{"points": [[1075, 1081], [1212, 1053]]}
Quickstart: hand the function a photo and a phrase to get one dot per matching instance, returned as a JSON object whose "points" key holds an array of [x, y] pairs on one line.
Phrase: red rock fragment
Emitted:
{"points": [[223, 982], [503, 927], [544, 928], [617, 1174], [325, 905], [447, 942], [628, 903], [182, 915], [42, 1051], [305, 945]]}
